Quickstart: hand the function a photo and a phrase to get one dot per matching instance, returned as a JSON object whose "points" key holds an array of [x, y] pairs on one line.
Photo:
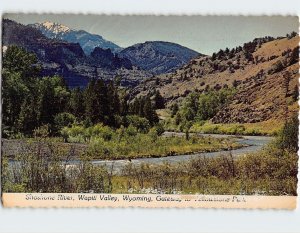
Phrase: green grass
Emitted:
{"points": [[124, 143], [261, 128], [262, 173], [143, 145]]}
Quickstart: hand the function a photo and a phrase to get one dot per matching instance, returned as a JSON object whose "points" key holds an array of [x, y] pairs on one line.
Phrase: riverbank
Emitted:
{"points": [[222, 175], [139, 146], [265, 128], [217, 175]]}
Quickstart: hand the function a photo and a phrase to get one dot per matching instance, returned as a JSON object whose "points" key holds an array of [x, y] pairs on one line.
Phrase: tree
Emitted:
{"points": [[64, 119], [149, 111], [159, 100], [52, 98], [18, 60], [14, 93], [140, 123], [288, 138], [214, 56], [294, 56], [76, 103], [295, 93], [174, 109], [96, 101], [28, 118], [114, 105], [235, 83]]}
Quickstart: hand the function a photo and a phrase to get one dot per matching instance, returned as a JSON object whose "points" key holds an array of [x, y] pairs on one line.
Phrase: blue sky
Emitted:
{"points": [[205, 34]]}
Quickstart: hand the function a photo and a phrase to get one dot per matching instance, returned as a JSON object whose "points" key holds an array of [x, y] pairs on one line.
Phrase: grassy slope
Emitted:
{"points": [[262, 102]]}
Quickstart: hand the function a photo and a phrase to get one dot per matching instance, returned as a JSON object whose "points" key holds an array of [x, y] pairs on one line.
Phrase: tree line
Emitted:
{"points": [[30, 101]]}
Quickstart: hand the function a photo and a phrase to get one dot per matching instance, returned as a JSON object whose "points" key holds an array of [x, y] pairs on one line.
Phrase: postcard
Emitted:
{"points": [[149, 111]]}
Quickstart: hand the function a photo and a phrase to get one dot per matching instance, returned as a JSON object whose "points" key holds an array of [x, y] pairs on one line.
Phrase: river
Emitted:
{"points": [[254, 143]]}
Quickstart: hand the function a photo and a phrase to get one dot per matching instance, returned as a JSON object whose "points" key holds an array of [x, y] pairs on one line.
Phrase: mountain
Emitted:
{"points": [[263, 71], [68, 60], [87, 40], [159, 57], [46, 49]]}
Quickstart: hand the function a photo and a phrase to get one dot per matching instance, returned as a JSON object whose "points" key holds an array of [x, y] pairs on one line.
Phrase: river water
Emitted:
{"points": [[254, 143]]}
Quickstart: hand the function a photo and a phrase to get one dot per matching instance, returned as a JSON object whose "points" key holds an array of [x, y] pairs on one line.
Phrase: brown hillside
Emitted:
{"points": [[257, 70]]}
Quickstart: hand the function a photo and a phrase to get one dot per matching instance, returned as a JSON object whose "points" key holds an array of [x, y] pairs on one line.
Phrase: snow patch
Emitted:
{"points": [[55, 27]]}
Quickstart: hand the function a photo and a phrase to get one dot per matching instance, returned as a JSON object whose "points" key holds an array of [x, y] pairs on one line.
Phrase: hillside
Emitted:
{"points": [[87, 41], [257, 70], [159, 57]]}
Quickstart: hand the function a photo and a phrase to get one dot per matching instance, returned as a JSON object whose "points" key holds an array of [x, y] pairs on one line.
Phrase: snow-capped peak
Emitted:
{"points": [[54, 27]]}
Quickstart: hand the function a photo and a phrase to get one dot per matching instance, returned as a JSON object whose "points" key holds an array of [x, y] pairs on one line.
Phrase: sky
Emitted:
{"points": [[205, 34]]}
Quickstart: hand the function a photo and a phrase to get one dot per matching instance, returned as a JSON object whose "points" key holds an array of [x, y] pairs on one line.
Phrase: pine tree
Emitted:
{"points": [[76, 103], [89, 100], [149, 111], [159, 100], [28, 117]]}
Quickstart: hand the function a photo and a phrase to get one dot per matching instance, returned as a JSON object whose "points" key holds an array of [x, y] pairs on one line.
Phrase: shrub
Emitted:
{"points": [[131, 131], [276, 67], [288, 137], [99, 130], [140, 123], [64, 119]]}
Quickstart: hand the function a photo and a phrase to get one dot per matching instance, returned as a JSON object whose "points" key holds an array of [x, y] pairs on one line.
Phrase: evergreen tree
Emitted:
{"points": [[28, 117], [89, 100], [76, 103], [174, 109], [113, 104], [149, 111], [18, 60], [159, 100]]}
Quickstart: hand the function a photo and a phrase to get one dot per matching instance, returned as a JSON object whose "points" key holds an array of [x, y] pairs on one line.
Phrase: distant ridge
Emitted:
{"points": [[158, 56], [87, 41]]}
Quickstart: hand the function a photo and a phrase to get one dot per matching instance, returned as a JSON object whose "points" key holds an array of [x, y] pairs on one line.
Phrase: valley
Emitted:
{"points": [[82, 114]]}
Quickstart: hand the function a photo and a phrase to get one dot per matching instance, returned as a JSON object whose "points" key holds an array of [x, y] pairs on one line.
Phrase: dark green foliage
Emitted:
{"points": [[294, 56], [174, 109], [64, 119], [291, 35], [102, 103], [18, 60], [159, 100], [149, 111], [288, 137], [214, 56], [295, 93], [143, 107], [76, 103], [199, 107], [30, 101], [159, 129], [234, 83], [276, 67], [140, 123]]}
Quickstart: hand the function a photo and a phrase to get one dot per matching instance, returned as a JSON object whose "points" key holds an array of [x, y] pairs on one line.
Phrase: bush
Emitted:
{"points": [[276, 67], [64, 119], [159, 129], [288, 137], [99, 130], [140, 123], [131, 131]]}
